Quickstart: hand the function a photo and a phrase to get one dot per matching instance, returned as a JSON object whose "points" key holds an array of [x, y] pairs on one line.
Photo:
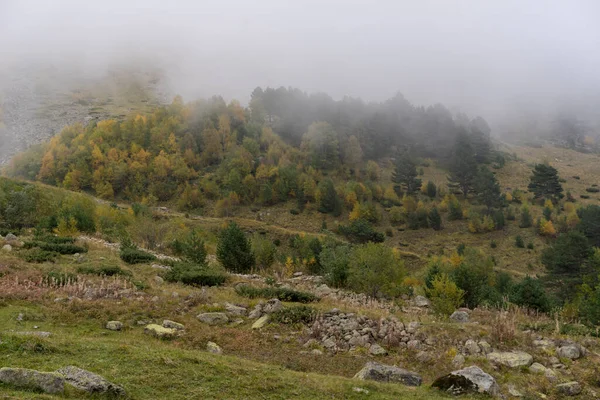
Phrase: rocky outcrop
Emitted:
{"points": [[160, 331], [388, 373], [213, 318], [511, 359], [460, 316], [167, 323], [90, 382], [47, 382], [114, 325], [468, 380], [262, 308], [569, 388]]}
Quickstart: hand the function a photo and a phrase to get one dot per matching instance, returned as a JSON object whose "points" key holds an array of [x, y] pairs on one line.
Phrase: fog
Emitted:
{"points": [[491, 58]]}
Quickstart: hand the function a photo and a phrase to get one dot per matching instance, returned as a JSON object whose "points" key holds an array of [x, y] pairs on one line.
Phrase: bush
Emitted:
{"points": [[360, 231], [136, 256], [54, 239], [294, 211], [234, 250], [335, 263], [195, 275], [474, 276], [374, 269], [264, 251], [60, 248], [510, 214], [584, 196], [295, 315], [526, 219], [431, 190], [193, 249], [59, 278], [435, 219], [493, 244], [519, 242], [270, 292], [531, 294], [108, 270], [530, 245], [592, 190], [38, 255], [444, 295], [455, 211]]}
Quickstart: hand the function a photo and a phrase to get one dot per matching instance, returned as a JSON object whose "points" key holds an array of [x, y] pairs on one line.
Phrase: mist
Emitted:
{"points": [[495, 59]]}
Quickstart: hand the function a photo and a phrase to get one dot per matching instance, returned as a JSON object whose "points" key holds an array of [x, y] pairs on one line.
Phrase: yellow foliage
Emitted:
{"points": [[288, 268], [572, 219], [569, 208], [409, 204], [455, 259], [548, 204], [66, 227], [547, 228], [351, 198], [508, 196], [390, 194]]}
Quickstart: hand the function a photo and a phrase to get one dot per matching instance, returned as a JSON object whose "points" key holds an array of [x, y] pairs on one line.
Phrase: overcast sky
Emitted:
{"points": [[480, 56]]}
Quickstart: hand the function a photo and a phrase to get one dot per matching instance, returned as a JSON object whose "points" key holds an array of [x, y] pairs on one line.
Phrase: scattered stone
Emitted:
{"points": [[214, 348], [155, 299], [167, 323], [360, 390], [485, 347], [412, 327], [160, 331], [460, 316], [471, 348], [424, 357], [261, 322], [572, 352], [89, 381], [468, 380], [114, 325], [377, 350], [235, 310], [458, 360], [323, 290], [7, 248], [550, 375], [256, 312], [421, 301], [298, 274], [10, 237], [159, 280], [514, 392], [569, 388], [537, 368], [511, 359], [414, 344], [47, 382], [163, 267], [543, 343], [316, 352], [20, 317], [213, 318], [388, 373]]}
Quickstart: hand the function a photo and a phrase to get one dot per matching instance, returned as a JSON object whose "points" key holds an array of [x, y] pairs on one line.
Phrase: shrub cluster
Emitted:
{"points": [[282, 294]]}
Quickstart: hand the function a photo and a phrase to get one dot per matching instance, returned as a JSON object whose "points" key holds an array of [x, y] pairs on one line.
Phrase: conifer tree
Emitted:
{"points": [[545, 183], [487, 188], [463, 165], [405, 174], [234, 250]]}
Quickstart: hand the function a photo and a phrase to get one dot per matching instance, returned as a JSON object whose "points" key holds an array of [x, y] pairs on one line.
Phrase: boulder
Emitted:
{"points": [[460, 316], [543, 343], [485, 347], [89, 381], [272, 306], [214, 348], [167, 323], [572, 352], [458, 360], [388, 373], [569, 388], [114, 325], [471, 347], [256, 312], [468, 380], [413, 327], [261, 322], [213, 318], [7, 248], [421, 301], [537, 368], [160, 331], [41, 334], [159, 280], [323, 290], [10, 237], [235, 310], [377, 350], [511, 359], [47, 382]]}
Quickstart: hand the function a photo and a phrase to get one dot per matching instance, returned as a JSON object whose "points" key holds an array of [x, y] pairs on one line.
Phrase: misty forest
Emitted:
{"points": [[369, 201]]}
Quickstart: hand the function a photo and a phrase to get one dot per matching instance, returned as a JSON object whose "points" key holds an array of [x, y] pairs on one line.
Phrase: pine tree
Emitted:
{"points": [[463, 166], [194, 249], [330, 201], [405, 174], [545, 183], [234, 250], [487, 188], [435, 220]]}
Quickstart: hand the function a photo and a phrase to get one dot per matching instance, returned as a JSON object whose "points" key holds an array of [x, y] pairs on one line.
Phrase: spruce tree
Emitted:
{"points": [[487, 188], [234, 250], [329, 201], [463, 166], [405, 174], [545, 183], [435, 219]]}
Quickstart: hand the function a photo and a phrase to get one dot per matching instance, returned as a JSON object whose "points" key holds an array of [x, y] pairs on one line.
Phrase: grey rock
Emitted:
{"points": [[89, 381], [413, 344], [412, 327], [256, 312], [468, 380], [460, 316], [514, 392], [159, 280], [458, 360], [114, 325], [167, 323], [424, 357], [569, 388], [472, 348], [160, 331], [316, 352], [272, 306], [550, 375], [213, 348], [543, 343], [377, 350], [388, 373], [47, 382], [572, 352], [511, 359], [10, 237], [537, 368], [235, 310], [261, 322], [421, 301], [485, 347], [7, 248], [323, 290], [41, 334], [213, 318]]}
